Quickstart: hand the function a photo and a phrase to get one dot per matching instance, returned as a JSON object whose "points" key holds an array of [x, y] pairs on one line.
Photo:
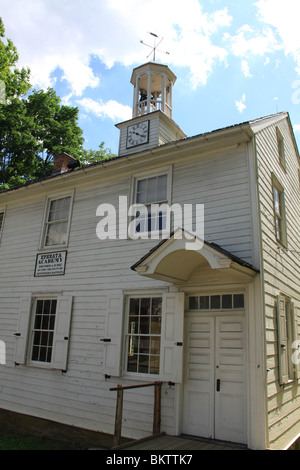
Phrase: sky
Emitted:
{"points": [[234, 60]]}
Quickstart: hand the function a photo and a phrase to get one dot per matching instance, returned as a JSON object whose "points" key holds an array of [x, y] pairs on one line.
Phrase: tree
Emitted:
{"points": [[34, 126], [95, 156]]}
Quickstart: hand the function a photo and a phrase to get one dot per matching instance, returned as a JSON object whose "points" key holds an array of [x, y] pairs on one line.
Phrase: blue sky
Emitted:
{"points": [[234, 61]]}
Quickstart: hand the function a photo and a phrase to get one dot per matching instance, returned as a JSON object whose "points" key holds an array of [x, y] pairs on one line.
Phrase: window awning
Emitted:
{"points": [[182, 254]]}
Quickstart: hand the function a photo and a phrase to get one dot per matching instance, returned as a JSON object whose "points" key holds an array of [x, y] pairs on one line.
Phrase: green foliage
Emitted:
{"points": [[34, 126]]}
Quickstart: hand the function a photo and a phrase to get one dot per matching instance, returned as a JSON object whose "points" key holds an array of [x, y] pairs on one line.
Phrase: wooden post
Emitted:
{"points": [[157, 407], [118, 419]]}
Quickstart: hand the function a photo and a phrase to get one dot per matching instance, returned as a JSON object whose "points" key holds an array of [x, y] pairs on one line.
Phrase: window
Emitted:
{"points": [[42, 336], [217, 302], [279, 212], [43, 330], [287, 334], [151, 195], [57, 222], [144, 335], [280, 143]]}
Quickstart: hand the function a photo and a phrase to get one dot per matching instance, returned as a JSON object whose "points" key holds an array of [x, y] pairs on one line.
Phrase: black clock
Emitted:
{"points": [[137, 134]]}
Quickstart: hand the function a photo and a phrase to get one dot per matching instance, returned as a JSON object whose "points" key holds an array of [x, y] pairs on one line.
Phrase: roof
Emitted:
{"points": [[205, 135], [213, 246]]}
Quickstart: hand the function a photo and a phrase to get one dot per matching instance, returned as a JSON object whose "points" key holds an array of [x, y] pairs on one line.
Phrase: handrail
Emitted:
{"points": [[119, 408]]}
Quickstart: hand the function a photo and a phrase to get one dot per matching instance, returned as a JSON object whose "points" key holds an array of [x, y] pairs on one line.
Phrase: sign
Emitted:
{"points": [[50, 264]]}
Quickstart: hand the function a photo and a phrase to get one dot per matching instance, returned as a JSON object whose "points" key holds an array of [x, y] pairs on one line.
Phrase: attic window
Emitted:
{"points": [[280, 143]]}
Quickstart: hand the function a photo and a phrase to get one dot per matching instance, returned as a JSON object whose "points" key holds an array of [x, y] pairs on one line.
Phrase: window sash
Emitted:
{"points": [[144, 335], [57, 222], [149, 191], [278, 200], [43, 330]]}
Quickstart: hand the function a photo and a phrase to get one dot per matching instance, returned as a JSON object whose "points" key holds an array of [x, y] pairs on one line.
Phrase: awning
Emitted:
{"points": [[176, 259]]}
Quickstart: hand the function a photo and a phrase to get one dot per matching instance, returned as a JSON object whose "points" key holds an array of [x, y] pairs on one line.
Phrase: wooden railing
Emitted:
{"points": [[119, 408]]}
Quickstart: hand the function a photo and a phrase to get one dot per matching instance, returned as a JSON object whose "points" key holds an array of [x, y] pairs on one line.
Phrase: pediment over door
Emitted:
{"points": [[183, 256]]}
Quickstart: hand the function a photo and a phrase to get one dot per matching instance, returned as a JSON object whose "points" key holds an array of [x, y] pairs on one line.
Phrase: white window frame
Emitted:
{"points": [[127, 335], [281, 214], [25, 326], [281, 149], [171, 337], [134, 183], [30, 361], [50, 199]]}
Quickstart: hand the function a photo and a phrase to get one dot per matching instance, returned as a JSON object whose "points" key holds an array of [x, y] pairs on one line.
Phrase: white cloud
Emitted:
{"points": [[65, 34], [296, 127], [241, 105], [111, 109], [284, 19], [249, 41], [246, 69]]}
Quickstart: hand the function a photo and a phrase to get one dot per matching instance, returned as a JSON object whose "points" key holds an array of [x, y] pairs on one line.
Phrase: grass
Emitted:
{"points": [[32, 443]]}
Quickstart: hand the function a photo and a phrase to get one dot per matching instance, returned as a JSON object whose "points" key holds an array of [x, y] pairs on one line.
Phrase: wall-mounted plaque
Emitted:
{"points": [[50, 264]]}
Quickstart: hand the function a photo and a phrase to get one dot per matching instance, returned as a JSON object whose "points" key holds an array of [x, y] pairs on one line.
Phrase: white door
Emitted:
{"points": [[214, 401]]}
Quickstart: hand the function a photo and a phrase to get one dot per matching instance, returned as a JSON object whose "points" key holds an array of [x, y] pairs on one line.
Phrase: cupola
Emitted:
{"points": [[153, 85], [151, 124]]}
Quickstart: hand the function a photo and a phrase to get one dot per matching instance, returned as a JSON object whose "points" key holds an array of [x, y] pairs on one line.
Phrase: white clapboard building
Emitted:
{"points": [[175, 262]]}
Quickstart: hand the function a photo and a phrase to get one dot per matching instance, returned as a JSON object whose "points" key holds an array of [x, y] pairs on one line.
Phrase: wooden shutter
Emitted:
{"points": [[113, 336], [172, 337], [282, 340], [22, 330], [62, 331], [295, 342]]}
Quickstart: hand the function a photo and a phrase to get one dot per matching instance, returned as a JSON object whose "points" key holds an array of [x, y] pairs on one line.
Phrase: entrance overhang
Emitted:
{"points": [[176, 259]]}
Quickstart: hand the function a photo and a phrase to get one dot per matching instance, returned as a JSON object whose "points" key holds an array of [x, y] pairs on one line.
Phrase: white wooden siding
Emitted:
{"points": [[95, 271], [281, 273]]}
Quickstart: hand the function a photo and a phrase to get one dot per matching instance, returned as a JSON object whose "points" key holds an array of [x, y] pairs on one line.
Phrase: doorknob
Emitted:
{"points": [[218, 385]]}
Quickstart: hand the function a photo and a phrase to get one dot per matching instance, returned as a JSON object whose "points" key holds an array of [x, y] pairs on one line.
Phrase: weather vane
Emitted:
{"points": [[154, 48]]}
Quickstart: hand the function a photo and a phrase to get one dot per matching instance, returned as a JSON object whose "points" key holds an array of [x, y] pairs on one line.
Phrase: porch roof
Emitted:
{"points": [[176, 258]]}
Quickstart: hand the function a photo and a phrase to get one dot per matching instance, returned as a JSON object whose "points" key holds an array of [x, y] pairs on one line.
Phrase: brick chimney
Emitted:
{"points": [[61, 162]]}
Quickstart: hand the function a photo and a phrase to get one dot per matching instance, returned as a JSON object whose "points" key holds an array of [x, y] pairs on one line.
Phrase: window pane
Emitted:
{"points": [[143, 366], [277, 200], [132, 363], [226, 301], [145, 307], [155, 326], [144, 325], [215, 302], [151, 190], [193, 303], [156, 306], [162, 188], [238, 300], [204, 302], [134, 306], [154, 365]]}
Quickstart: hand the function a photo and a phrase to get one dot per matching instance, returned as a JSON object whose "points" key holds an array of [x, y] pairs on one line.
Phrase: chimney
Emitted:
{"points": [[63, 163]]}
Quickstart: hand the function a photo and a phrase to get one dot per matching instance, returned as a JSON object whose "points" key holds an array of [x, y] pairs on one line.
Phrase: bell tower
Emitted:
{"points": [[153, 84], [151, 124]]}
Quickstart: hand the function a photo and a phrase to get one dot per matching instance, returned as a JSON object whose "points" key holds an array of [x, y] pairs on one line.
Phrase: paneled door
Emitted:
{"points": [[214, 397]]}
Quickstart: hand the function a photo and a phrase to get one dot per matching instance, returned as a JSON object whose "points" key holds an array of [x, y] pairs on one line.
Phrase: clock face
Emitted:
{"points": [[137, 134]]}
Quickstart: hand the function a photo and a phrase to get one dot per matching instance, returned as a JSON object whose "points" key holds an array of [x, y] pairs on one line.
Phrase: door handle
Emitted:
{"points": [[218, 385]]}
